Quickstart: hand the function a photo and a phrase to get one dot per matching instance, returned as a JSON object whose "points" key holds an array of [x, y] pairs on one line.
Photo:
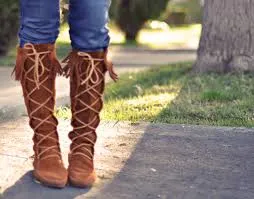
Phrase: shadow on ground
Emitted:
{"points": [[173, 162], [163, 161], [26, 188], [168, 162]]}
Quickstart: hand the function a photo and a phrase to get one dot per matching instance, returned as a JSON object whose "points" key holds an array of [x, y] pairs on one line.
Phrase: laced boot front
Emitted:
{"points": [[36, 69], [87, 82]]}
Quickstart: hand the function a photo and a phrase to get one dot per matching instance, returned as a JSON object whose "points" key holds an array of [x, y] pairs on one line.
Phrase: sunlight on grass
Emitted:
{"points": [[64, 34], [145, 101], [63, 112], [141, 96], [166, 38], [212, 99], [115, 34], [187, 36], [171, 94], [137, 108]]}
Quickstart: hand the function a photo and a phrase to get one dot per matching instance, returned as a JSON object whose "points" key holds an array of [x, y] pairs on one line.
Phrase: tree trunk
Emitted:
{"points": [[131, 35], [226, 42]]}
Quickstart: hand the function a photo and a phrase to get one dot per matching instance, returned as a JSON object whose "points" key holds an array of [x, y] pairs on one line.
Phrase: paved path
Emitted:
{"points": [[141, 161], [133, 161], [125, 59]]}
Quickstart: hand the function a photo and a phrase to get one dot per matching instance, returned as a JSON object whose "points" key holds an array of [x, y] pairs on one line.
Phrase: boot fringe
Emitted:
{"points": [[73, 65], [110, 67], [56, 68], [19, 66]]}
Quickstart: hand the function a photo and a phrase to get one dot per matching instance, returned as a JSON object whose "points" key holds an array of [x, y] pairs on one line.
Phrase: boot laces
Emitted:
{"points": [[38, 62], [93, 77], [38, 69]]}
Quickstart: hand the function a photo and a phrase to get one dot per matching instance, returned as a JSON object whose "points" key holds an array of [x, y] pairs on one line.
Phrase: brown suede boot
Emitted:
{"points": [[36, 69], [87, 81]]}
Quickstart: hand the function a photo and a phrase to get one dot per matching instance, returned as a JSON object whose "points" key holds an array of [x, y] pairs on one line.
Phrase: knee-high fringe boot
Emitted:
{"points": [[87, 81], [36, 69]]}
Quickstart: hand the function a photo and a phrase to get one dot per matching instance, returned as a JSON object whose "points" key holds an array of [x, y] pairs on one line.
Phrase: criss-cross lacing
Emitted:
{"points": [[36, 69], [89, 76], [36, 75]]}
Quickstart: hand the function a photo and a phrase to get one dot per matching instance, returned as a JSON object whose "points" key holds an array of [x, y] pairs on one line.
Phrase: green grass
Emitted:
{"points": [[173, 38], [9, 60], [171, 94]]}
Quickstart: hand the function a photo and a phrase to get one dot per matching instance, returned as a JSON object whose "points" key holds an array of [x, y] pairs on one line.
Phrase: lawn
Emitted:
{"points": [[175, 37], [171, 94], [167, 38]]}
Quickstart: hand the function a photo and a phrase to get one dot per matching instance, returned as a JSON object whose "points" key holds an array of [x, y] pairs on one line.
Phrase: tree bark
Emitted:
{"points": [[131, 35], [226, 42]]}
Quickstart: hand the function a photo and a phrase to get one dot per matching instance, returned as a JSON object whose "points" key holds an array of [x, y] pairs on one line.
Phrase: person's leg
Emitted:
{"points": [[86, 66], [39, 21], [88, 20], [36, 69]]}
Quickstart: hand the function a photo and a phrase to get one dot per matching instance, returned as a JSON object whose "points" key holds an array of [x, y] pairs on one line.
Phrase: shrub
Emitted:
{"points": [[131, 15], [185, 12], [9, 17], [9, 14]]}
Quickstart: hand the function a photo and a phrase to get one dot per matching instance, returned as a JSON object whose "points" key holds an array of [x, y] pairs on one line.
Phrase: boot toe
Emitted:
{"points": [[57, 178], [82, 179]]}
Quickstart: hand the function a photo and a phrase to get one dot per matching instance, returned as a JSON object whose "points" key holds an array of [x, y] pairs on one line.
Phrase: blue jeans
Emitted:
{"points": [[40, 21]]}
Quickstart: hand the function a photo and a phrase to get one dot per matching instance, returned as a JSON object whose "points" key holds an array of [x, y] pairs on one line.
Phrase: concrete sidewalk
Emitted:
{"points": [[141, 161], [133, 161], [125, 59]]}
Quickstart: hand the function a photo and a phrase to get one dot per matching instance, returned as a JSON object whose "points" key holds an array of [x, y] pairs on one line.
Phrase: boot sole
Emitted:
{"points": [[46, 184], [39, 180], [78, 185]]}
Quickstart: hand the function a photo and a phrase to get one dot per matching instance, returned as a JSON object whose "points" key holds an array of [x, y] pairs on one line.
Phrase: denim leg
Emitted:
{"points": [[88, 24], [39, 21]]}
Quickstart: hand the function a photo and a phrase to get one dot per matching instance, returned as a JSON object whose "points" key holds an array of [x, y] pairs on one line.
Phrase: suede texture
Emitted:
{"points": [[39, 96], [86, 103]]}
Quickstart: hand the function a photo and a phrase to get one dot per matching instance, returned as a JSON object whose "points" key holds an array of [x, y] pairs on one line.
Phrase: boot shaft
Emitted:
{"points": [[87, 81], [36, 69]]}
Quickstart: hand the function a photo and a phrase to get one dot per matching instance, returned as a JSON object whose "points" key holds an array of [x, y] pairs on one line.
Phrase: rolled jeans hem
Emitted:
{"points": [[90, 49], [23, 42]]}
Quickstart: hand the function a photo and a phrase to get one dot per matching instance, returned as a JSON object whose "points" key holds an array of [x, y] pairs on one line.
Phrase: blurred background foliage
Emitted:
{"points": [[129, 17], [9, 12], [183, 12]]}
